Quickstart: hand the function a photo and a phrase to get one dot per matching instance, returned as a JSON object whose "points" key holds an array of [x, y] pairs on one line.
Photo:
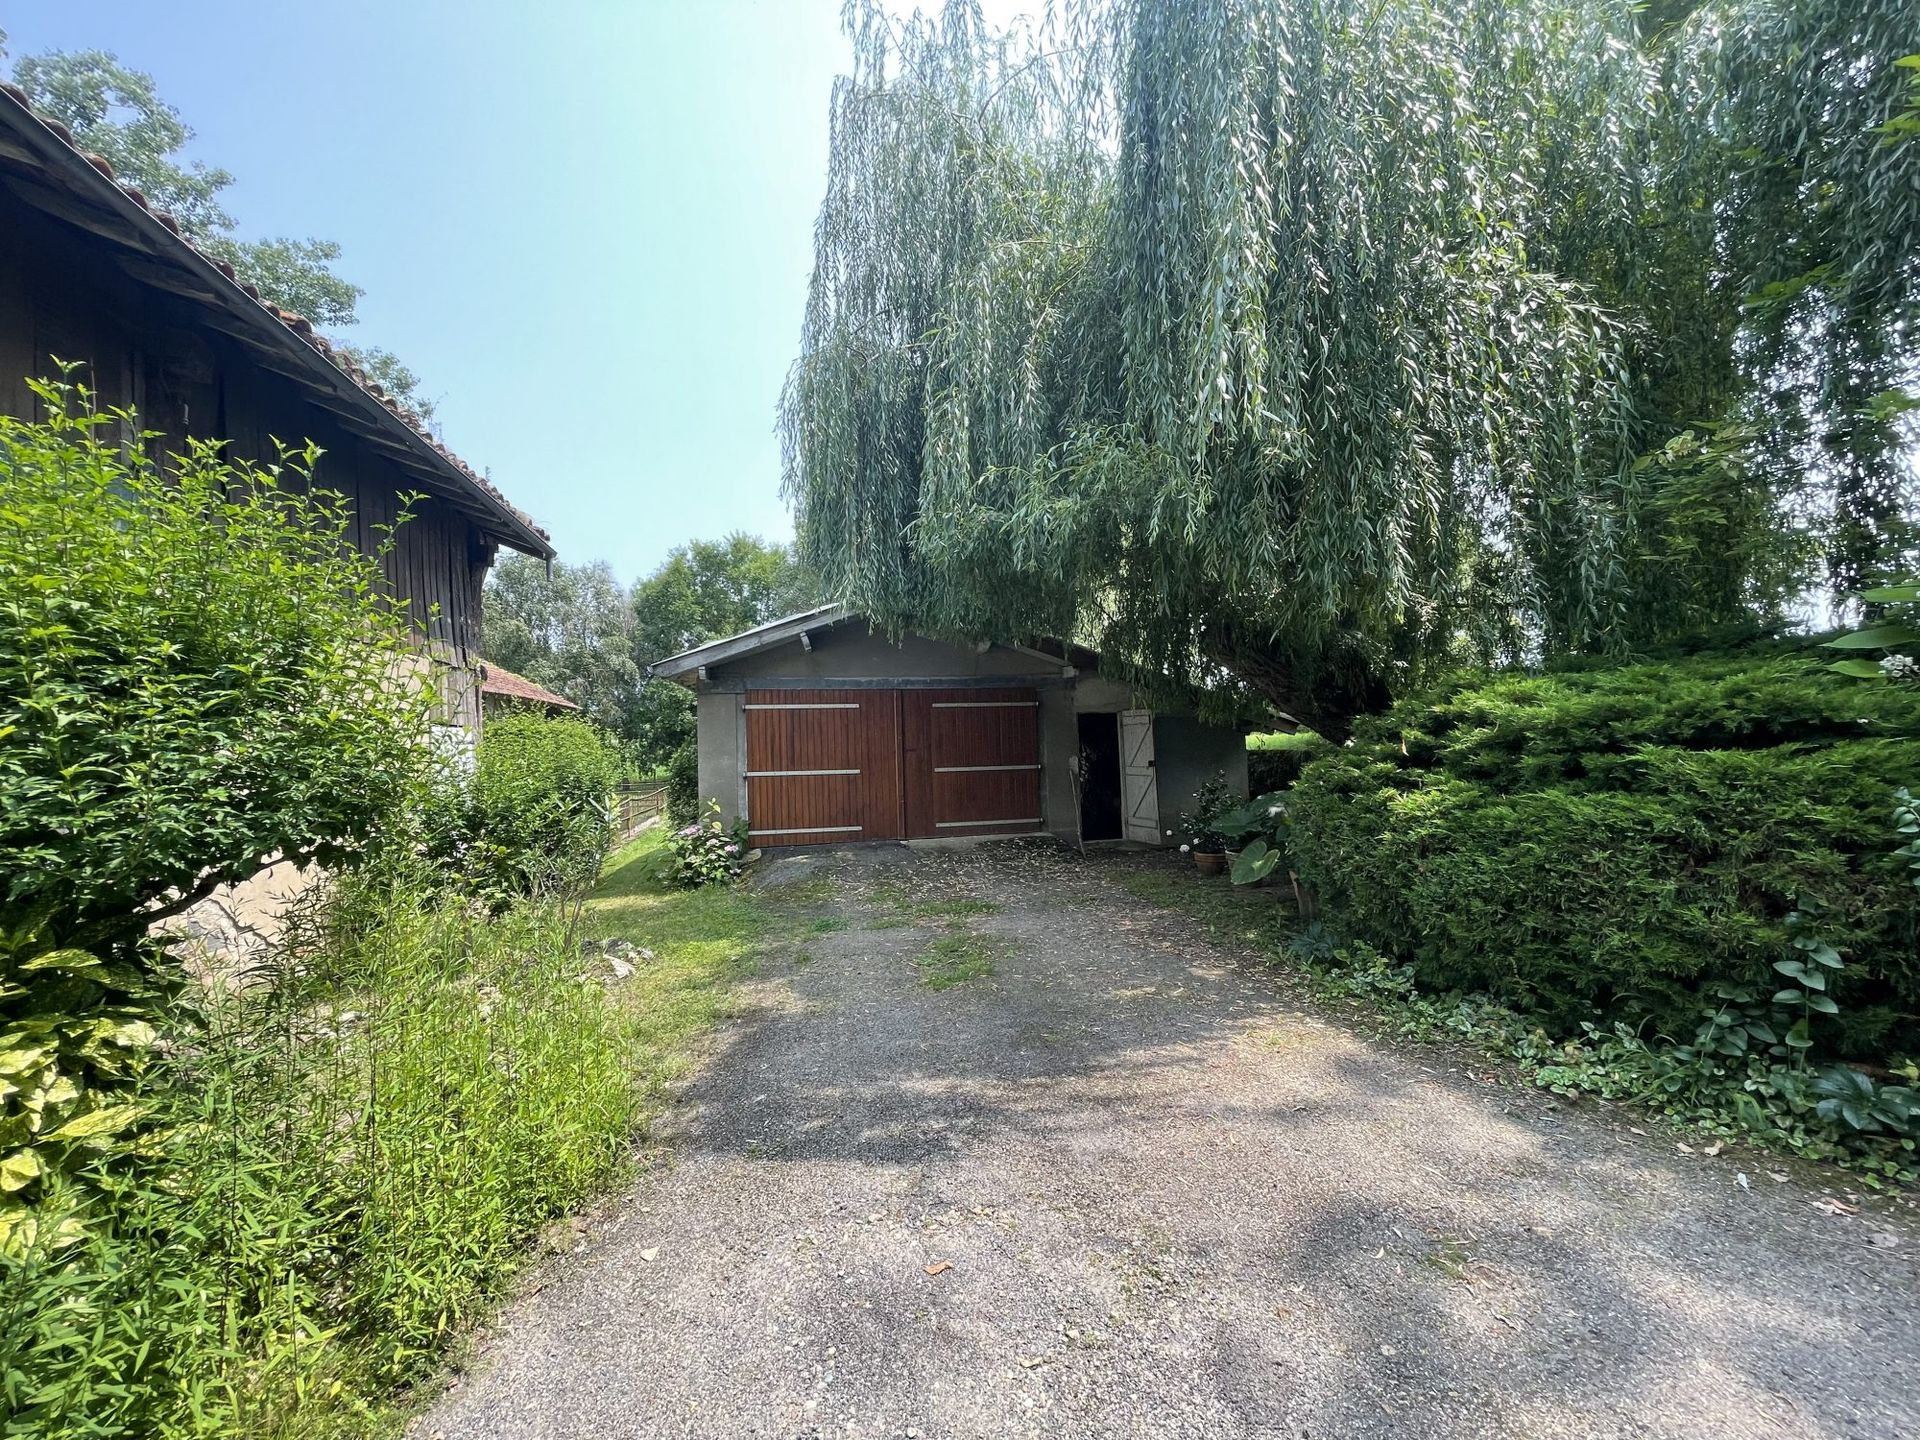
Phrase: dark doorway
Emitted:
{"points": [[1100, 782]]}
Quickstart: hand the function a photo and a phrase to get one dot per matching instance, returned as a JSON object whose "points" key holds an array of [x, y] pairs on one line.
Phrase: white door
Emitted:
{"points": [[1139, 788]]}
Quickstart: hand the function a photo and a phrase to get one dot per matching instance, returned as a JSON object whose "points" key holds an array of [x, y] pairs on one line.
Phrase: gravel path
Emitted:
{"points": [[1127, 1186]]}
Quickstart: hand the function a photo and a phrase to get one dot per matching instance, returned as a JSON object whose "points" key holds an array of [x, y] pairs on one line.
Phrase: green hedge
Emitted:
{"points": [[1619, 838], [541, 795]]}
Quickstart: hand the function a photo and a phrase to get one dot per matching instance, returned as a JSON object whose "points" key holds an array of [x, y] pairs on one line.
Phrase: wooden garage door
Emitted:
{"points": [[971, 761], [823, 765]]}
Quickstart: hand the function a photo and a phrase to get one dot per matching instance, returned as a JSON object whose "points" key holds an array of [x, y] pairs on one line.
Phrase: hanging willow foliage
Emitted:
{"points": [[1278, 345]]}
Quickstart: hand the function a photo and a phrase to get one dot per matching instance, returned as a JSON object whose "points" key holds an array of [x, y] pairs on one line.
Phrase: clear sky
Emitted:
{"points": [[587, 224]]}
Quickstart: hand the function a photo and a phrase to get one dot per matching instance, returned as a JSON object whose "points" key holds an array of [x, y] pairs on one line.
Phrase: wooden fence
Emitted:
{"points": [[637, 802]]}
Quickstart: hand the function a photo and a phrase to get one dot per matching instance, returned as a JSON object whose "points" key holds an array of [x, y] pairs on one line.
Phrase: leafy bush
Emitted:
{"points": [[198, 672], [542, 788], [683, 786], [1624, 839], [351, 1161], [1200, 829], [708, 852]]}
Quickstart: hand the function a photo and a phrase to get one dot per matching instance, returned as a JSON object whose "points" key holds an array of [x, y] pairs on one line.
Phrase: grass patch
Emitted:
{"points": [[908, 907], [703, 941], [355, 1161], [954, 960]]}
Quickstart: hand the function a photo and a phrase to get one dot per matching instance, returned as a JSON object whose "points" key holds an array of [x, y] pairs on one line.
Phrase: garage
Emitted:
{"points": [[885, 764], [821, 729]]}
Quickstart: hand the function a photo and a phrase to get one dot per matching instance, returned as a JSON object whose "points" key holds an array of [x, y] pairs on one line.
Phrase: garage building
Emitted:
{"points": [[820, 729]]}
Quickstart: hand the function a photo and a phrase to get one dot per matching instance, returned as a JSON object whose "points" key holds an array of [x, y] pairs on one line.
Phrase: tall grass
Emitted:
{"points": [[353, 1162]]}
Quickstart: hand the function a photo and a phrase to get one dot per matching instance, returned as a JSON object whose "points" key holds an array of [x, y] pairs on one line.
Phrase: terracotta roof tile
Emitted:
{"points": [[300, 325], [495, 681]]}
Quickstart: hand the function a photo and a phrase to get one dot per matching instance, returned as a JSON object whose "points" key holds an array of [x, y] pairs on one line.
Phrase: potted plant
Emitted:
{"points": [[1201, 824]]}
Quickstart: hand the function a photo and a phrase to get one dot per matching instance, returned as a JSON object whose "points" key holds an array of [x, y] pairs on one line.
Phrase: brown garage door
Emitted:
{"points": [[971, 761], [823, 765]]}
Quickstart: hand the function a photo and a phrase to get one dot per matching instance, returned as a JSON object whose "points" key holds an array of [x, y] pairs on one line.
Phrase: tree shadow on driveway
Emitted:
{"points": [[1126, 1184]]}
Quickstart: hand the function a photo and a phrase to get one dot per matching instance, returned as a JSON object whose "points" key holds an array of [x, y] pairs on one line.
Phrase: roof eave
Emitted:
{"points": [[686, 666], [268, 329]]}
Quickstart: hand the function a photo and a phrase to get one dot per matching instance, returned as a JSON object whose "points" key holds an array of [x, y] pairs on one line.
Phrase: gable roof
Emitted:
{"points": [[509, 686], [748, 642], [45, 167], [791, 627]]}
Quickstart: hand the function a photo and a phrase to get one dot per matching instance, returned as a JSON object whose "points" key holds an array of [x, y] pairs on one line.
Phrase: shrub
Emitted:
{"points": [[1627, 838], [1274, 761], [541, 800], [683, 786], [708, 852], [198, 672]]}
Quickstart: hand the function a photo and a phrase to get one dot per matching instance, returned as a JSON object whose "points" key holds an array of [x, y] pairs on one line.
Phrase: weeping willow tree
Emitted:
{"points": [[1279, 348]]}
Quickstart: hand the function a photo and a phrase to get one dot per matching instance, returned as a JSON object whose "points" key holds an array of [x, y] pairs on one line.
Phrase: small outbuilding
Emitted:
{"points": [[819, 728], [502, 692]]}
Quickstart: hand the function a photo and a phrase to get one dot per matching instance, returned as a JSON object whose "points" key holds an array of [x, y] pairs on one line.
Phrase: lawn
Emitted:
{"points": [[702, 941]]}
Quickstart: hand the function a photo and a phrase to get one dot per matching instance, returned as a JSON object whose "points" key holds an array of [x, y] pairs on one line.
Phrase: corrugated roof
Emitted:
{"points": [[95, 171]]}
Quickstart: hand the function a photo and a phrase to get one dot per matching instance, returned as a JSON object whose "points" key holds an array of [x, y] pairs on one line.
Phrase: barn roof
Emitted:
{"points": [[508, 686], [46, 169]]}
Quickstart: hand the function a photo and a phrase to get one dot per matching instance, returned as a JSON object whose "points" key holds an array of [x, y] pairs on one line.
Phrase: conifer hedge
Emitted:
{"points": [[1623, 837]]}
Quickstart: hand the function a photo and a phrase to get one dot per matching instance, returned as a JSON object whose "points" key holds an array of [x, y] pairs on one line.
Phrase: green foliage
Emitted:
{"points": [[1818, 214], [1627, 839], [1274, 761], [706, 589], [542, 792], [1321, 346], [707, 851], [349, 1162], [569, 628], [683, 786], [75, 1037], [1895, 630], [198, 671], [352, 1162], [1200, 827]]}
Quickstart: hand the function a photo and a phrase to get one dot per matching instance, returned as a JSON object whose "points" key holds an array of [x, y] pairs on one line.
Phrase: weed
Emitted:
{"points": [[955, 959], [352, 1162]]}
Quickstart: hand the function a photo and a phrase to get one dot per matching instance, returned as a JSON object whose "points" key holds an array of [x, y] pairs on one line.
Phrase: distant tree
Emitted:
{"points": [[393, 376], [709, 588], [117, 112], [703, 590], [569, 629]]}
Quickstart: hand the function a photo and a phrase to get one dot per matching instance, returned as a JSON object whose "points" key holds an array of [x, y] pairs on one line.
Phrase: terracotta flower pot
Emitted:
{"points": [[1209, 862]]}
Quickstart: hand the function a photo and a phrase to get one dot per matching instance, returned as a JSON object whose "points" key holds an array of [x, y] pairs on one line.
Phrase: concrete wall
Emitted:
{"points": [[720, 734], [852, 651], [1186, 755]]}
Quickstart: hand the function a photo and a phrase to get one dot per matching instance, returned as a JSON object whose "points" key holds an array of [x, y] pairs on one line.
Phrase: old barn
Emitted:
{"points": [[90, 274]]}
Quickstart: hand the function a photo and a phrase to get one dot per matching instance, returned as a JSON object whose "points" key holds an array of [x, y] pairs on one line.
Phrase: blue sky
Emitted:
{"points": [[587, 226]]}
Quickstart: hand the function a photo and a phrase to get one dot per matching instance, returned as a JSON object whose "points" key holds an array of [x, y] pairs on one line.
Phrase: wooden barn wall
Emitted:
{"points": [[61, 295]]}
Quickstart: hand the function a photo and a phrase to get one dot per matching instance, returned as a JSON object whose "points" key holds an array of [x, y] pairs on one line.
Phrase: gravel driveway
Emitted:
{"points": [[1129, 1185]]}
